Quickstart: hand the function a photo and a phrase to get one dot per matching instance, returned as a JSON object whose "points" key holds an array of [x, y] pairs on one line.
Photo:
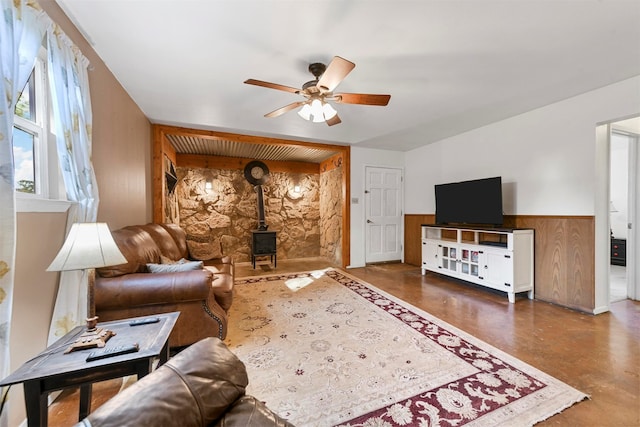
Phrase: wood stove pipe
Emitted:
{"points": [[262, 225]]}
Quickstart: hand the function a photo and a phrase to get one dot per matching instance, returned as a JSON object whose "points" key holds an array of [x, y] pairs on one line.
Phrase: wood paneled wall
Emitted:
{"points": [[564, 255], [413, 237], [564, 258]]}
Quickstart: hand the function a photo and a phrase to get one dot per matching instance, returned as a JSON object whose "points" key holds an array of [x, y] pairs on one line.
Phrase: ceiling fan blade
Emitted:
{"points": [[362, 98], [280, 111], [272, 85], [336, 71], [334, 120]]}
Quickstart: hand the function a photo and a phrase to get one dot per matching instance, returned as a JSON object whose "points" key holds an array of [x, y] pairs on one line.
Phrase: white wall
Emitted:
{"points": [[550, 160], [361, 158], [546, 157]]}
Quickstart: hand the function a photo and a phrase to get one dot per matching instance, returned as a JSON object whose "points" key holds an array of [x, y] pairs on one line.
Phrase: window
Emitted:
{"points": [[37, 174], [27, 131]]}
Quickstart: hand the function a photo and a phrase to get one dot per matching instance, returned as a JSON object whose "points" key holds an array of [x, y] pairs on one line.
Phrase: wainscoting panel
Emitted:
{"points": [[564, 259], [413, 237], [564, 255]]}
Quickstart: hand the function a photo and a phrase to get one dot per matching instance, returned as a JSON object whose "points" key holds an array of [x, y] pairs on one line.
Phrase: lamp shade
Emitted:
{"points": [[88, 245], [328, 111], [317, 110], [305, 112]]}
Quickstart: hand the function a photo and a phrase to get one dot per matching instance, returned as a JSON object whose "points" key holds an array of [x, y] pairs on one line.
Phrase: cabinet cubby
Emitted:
{"points": [[497, 258]]}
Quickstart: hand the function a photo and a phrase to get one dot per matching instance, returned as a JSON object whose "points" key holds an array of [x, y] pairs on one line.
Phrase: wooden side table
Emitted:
{"points": [[53, 370]]}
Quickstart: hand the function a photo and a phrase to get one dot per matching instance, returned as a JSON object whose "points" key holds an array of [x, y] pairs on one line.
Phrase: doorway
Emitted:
{"points": [[603, 230], [622, 200], [384, 216]]}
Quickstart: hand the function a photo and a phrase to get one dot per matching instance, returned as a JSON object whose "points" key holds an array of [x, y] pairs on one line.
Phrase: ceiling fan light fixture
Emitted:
{"points": [[305, 112], [317, 91], [316, 111], [328, 111]]}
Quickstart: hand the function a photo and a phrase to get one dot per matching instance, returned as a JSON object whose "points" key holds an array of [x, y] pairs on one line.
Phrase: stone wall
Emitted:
{"points": [[331, 215], [219, 221]]}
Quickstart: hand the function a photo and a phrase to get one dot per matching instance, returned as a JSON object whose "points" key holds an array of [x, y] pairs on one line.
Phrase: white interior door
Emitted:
{"points": [[384, 216]]}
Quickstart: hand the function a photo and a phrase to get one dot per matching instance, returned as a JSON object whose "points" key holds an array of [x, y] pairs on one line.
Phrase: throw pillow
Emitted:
{"points": [[175, 268]]}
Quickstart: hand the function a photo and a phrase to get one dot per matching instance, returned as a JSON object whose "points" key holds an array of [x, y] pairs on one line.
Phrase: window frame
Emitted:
{"points": [[50, 195]]}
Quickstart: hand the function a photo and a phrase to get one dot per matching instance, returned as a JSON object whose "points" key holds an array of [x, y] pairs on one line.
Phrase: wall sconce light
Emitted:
{"points": [[296, 189], [208, 185]]}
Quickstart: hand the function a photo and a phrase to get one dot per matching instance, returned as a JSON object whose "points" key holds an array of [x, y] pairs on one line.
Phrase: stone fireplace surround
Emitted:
{"points": [[218, 221], [222, 156]]}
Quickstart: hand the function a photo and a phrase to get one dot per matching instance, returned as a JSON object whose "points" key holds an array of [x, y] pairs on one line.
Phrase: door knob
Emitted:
{"points": [[369, 221]]}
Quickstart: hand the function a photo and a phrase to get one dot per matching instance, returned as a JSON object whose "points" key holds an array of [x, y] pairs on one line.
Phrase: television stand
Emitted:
{"points": [[497, 258], [492, 243]]}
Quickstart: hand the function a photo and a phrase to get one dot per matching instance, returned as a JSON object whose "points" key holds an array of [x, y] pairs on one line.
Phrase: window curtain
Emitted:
{"points": [[22, 29], [69, 81]]}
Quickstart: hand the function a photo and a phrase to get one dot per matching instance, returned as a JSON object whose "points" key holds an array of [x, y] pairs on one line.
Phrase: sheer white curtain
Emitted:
{"points": [[21, 32], [69, 82]]}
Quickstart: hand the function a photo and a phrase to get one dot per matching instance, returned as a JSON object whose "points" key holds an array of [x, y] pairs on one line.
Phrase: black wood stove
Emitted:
{"points": [[263, 242]]}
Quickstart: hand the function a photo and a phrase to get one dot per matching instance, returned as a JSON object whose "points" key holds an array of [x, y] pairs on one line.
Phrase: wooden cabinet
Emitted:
{"points": [[498, 269], [500, 259], [429, 254]]}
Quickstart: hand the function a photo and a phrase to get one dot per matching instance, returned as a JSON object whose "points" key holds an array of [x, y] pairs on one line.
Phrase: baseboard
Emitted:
{"points": [[601, 309]]}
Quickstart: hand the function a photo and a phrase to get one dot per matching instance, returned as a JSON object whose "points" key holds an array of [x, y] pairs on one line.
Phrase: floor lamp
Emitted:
{"points": [[87, 247]]}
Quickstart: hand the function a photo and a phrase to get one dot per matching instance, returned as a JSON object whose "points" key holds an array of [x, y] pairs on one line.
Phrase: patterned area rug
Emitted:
{"points": [[324, 348]]}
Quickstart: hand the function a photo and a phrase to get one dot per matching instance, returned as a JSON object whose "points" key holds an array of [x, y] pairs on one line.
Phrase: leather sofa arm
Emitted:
{"points": [[249, 411], [222, 287], [192, 389], [139, 289], [223, 281]]}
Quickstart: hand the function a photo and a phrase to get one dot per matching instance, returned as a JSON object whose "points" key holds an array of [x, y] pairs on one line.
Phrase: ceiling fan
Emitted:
{"points": [[320, 90]]}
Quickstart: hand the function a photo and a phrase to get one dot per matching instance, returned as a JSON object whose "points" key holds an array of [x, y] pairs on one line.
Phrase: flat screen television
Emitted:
{"points": [[476, 202]]}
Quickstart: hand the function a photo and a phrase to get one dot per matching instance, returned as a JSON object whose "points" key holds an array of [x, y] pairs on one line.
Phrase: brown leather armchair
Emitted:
{"points": [[204, 385], [202, 296]]}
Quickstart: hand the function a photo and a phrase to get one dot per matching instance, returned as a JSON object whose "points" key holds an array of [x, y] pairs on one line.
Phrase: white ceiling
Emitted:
{"points": [[629, 125], [450, 66]]}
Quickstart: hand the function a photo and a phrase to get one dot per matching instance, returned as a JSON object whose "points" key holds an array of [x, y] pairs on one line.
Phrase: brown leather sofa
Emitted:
{"points": [[204, 385], [202, 296]]}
